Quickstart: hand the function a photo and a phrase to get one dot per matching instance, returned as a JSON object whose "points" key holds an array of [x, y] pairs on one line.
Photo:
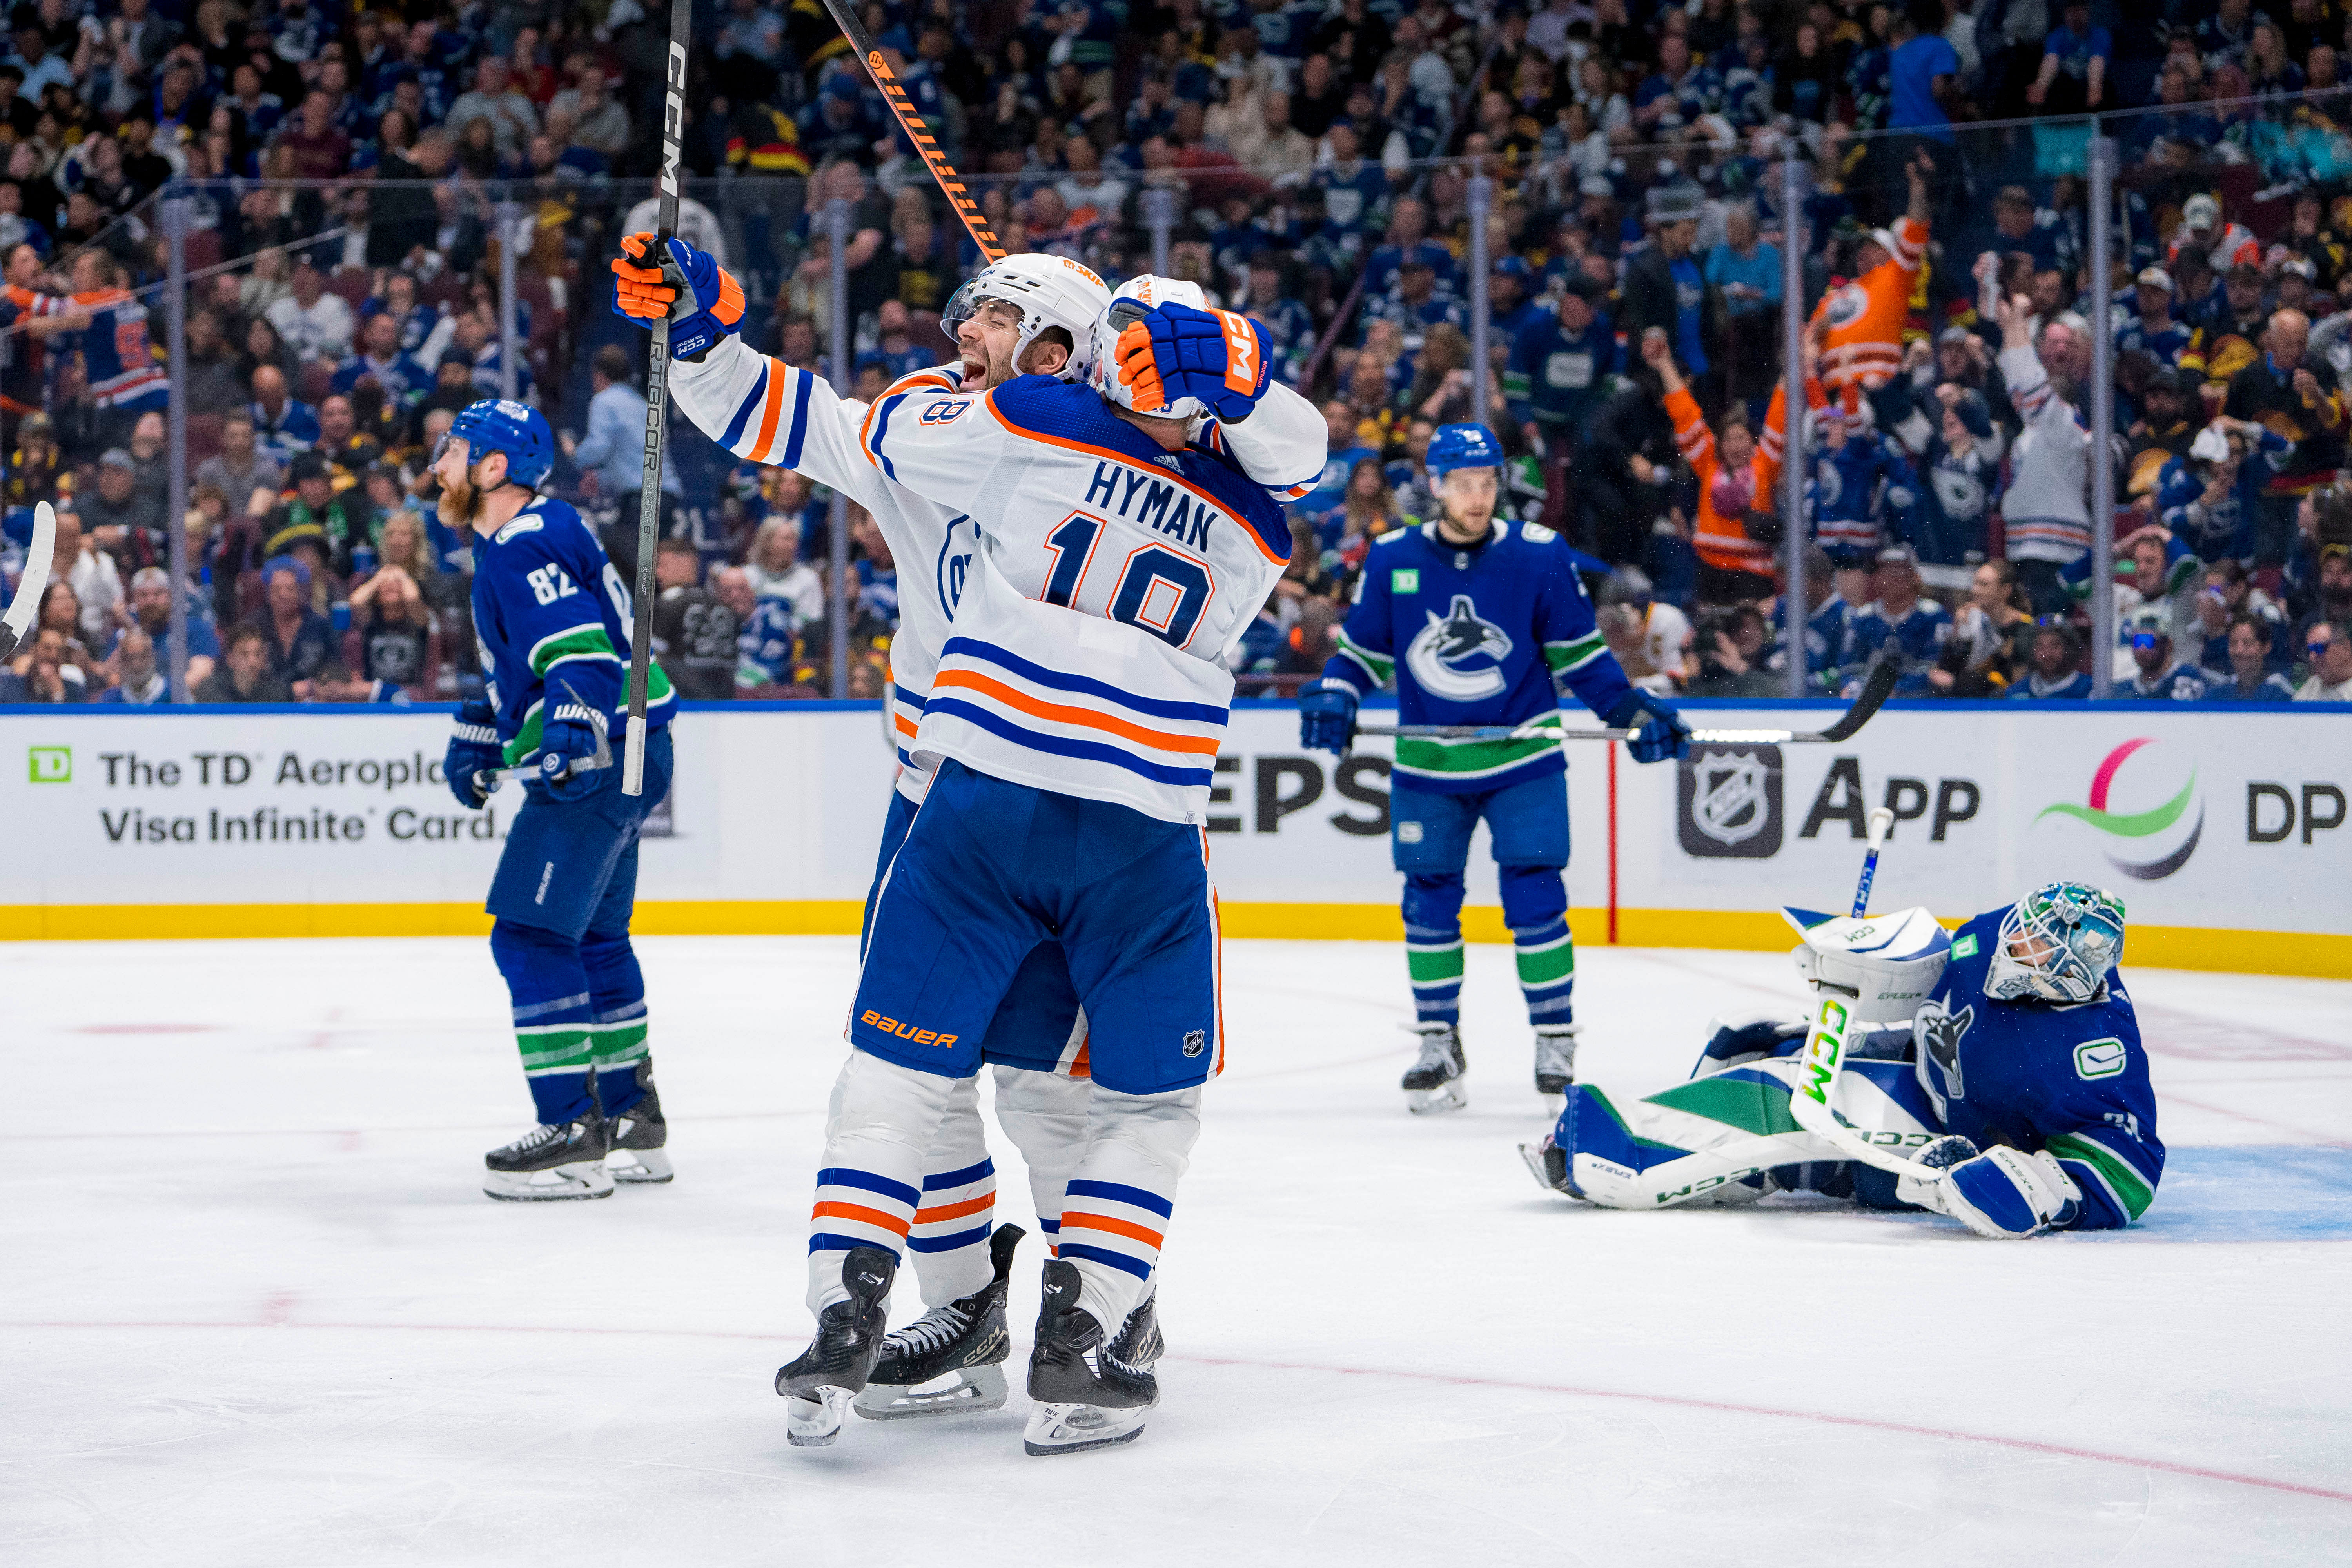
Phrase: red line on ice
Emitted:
{"points": [[1448, 1379]]}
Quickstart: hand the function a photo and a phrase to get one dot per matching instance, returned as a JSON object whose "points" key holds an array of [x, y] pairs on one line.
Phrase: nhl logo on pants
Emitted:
{"points": [[1728, 802]]}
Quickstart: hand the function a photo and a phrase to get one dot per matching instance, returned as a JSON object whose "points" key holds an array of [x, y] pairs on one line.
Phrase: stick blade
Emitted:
{"points": [[1877, 686], [35, 581]]}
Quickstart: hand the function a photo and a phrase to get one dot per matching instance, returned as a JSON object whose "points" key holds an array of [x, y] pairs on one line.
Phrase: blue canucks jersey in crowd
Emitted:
{"points": [[1432, 618], [1825, 638], [2069, 1079], [2226, 529], [1916, 635], [1851, 491], [763, 648], [547, 606]]}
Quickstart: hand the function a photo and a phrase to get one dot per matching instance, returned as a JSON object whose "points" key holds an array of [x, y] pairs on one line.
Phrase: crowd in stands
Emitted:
{"points": [[348, 173]]}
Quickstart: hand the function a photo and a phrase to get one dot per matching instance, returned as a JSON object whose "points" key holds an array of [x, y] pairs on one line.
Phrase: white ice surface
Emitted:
{"points": [[257, 1310]]}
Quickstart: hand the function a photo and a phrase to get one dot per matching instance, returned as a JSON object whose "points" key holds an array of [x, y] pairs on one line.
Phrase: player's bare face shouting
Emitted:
{"points": [[463, 484], [987, 340], [1468, 495]]}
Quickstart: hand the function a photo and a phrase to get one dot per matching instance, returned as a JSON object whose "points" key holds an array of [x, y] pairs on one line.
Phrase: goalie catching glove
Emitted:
{"points": [[1215, 357], [702, 302]]}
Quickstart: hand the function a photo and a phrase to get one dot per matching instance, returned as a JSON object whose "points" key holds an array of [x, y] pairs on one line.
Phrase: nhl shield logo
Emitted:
{"points": [[1729, 799]]}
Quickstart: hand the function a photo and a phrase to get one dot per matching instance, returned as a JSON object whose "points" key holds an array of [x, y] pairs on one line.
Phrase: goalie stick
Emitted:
{"points": [[950, 183], [1810, 1102], [1877, 686], [641, 633], [33, 583]]}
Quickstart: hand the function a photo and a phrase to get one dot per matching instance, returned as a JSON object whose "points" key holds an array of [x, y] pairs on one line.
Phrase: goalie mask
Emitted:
{"points": [[1135, 299], [2057, 945], [1048, 291]]}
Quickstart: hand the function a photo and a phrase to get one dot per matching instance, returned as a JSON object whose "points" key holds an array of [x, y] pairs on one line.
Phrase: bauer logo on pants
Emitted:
{"points": [[1728, 802]]}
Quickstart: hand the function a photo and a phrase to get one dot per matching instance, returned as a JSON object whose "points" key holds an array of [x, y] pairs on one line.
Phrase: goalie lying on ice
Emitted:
{"points": [[2020, 1073]]}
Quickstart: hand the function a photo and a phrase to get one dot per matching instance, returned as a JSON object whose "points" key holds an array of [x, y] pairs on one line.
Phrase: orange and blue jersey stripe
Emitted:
{"points": [[1014, 699]]}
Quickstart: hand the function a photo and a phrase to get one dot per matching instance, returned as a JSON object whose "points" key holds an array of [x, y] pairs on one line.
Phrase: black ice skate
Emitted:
{"points": [[638, 1137], [835, 1367], [950, 1359], [1086, 1397], [552, 1160], [1555, 1059], [1434, 1082], [1138, 1343], [1548, 1164]]}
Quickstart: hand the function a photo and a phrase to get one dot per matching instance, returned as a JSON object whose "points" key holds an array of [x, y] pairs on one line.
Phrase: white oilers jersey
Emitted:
{"points": [[760, 409]]}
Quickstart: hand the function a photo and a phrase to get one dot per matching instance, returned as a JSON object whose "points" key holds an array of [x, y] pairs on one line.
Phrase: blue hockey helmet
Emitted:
{"points": [[497, 425], [2057, 945], [1462, 447]]}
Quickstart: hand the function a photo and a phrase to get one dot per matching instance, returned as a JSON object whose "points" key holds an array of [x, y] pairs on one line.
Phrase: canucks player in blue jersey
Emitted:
{"points": [[1479, 622], [2021, 1074], [553, 620]]}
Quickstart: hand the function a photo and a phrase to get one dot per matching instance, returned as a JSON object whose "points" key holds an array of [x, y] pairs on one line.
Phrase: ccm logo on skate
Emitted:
{"points": [[904, 1031]]}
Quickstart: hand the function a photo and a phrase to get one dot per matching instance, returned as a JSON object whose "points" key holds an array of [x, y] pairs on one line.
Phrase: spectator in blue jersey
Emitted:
{"points": [[1346, 449], [1510, 311], [1353, 186], [2056, 672], [2018, 231], [2073, 75], [1923, 73], [1827, 618], [404, 382], [1408, 233], [2159, 675], [297, 641], [877, 579], [282, 425], [1681, 91], [2153, 329], [2246, 674], [1747, 272], [1559, 373], [1897, 623], [150, 616], [613, 450], [1288, 326]]}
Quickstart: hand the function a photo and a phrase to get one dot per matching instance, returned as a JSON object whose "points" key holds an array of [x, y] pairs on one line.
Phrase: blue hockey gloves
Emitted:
{"points": [[473, 750], [702, 301], [1662, 735], [567, 740], [1327, 716], [1177, 352], [2003, 1193]]}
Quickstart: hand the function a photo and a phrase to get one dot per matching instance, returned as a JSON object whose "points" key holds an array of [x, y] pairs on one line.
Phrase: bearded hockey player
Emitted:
{"points": [[553, 620], [1479, 622], [2020, 1074], [1030, 312]]}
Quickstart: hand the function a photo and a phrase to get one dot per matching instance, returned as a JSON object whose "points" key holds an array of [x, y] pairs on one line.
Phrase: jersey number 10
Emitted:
{"points": [[1158, 590]]}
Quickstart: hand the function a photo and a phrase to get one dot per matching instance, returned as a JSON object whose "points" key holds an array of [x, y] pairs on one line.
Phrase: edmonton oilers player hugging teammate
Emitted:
{"points": [[1480, 621], [1055, 667]]}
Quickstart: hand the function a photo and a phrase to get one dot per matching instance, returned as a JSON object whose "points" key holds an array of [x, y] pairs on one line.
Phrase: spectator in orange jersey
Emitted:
{"points": [[1736, 474], [1859, 326]]}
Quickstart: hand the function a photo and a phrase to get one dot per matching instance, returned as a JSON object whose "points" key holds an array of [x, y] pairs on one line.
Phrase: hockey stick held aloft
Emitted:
{"points": [[33, 583], [641, 632], [885, 81], [1877, 688]]}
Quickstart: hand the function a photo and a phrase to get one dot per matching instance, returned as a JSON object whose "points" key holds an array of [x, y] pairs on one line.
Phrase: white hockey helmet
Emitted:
{"points": [[1884, 965], [1127, 305], [1048, 291]]}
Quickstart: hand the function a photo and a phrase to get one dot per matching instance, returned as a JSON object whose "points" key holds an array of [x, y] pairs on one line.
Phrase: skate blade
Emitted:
{"points": [[639, 1167], [966, 1391], [1448, 1096], [815, 1420], [584, 1180], [1533, 1154], [1075, 1429]]}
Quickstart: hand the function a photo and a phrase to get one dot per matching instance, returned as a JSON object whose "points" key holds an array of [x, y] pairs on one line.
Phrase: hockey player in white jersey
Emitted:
{"points": [[1007, 316]]}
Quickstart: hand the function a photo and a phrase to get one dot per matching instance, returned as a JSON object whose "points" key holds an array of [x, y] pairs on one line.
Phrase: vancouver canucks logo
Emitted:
{"points": [[1940, 1035], [1459, 657]]}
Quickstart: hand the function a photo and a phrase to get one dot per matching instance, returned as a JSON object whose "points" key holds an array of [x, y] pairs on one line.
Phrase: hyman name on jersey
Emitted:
{"points": [[1171, 508]]}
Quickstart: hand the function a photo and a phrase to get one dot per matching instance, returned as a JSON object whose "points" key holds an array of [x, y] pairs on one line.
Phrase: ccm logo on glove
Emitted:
{"points": [[1241, 353]]}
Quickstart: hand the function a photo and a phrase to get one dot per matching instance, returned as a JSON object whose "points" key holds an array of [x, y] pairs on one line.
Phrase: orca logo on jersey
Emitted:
{"points": [[1938, 1033], [1460, 657]]}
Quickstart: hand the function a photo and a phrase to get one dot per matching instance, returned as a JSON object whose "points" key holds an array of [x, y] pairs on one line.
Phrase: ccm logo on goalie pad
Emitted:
{"points": [[907, 1032]]}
